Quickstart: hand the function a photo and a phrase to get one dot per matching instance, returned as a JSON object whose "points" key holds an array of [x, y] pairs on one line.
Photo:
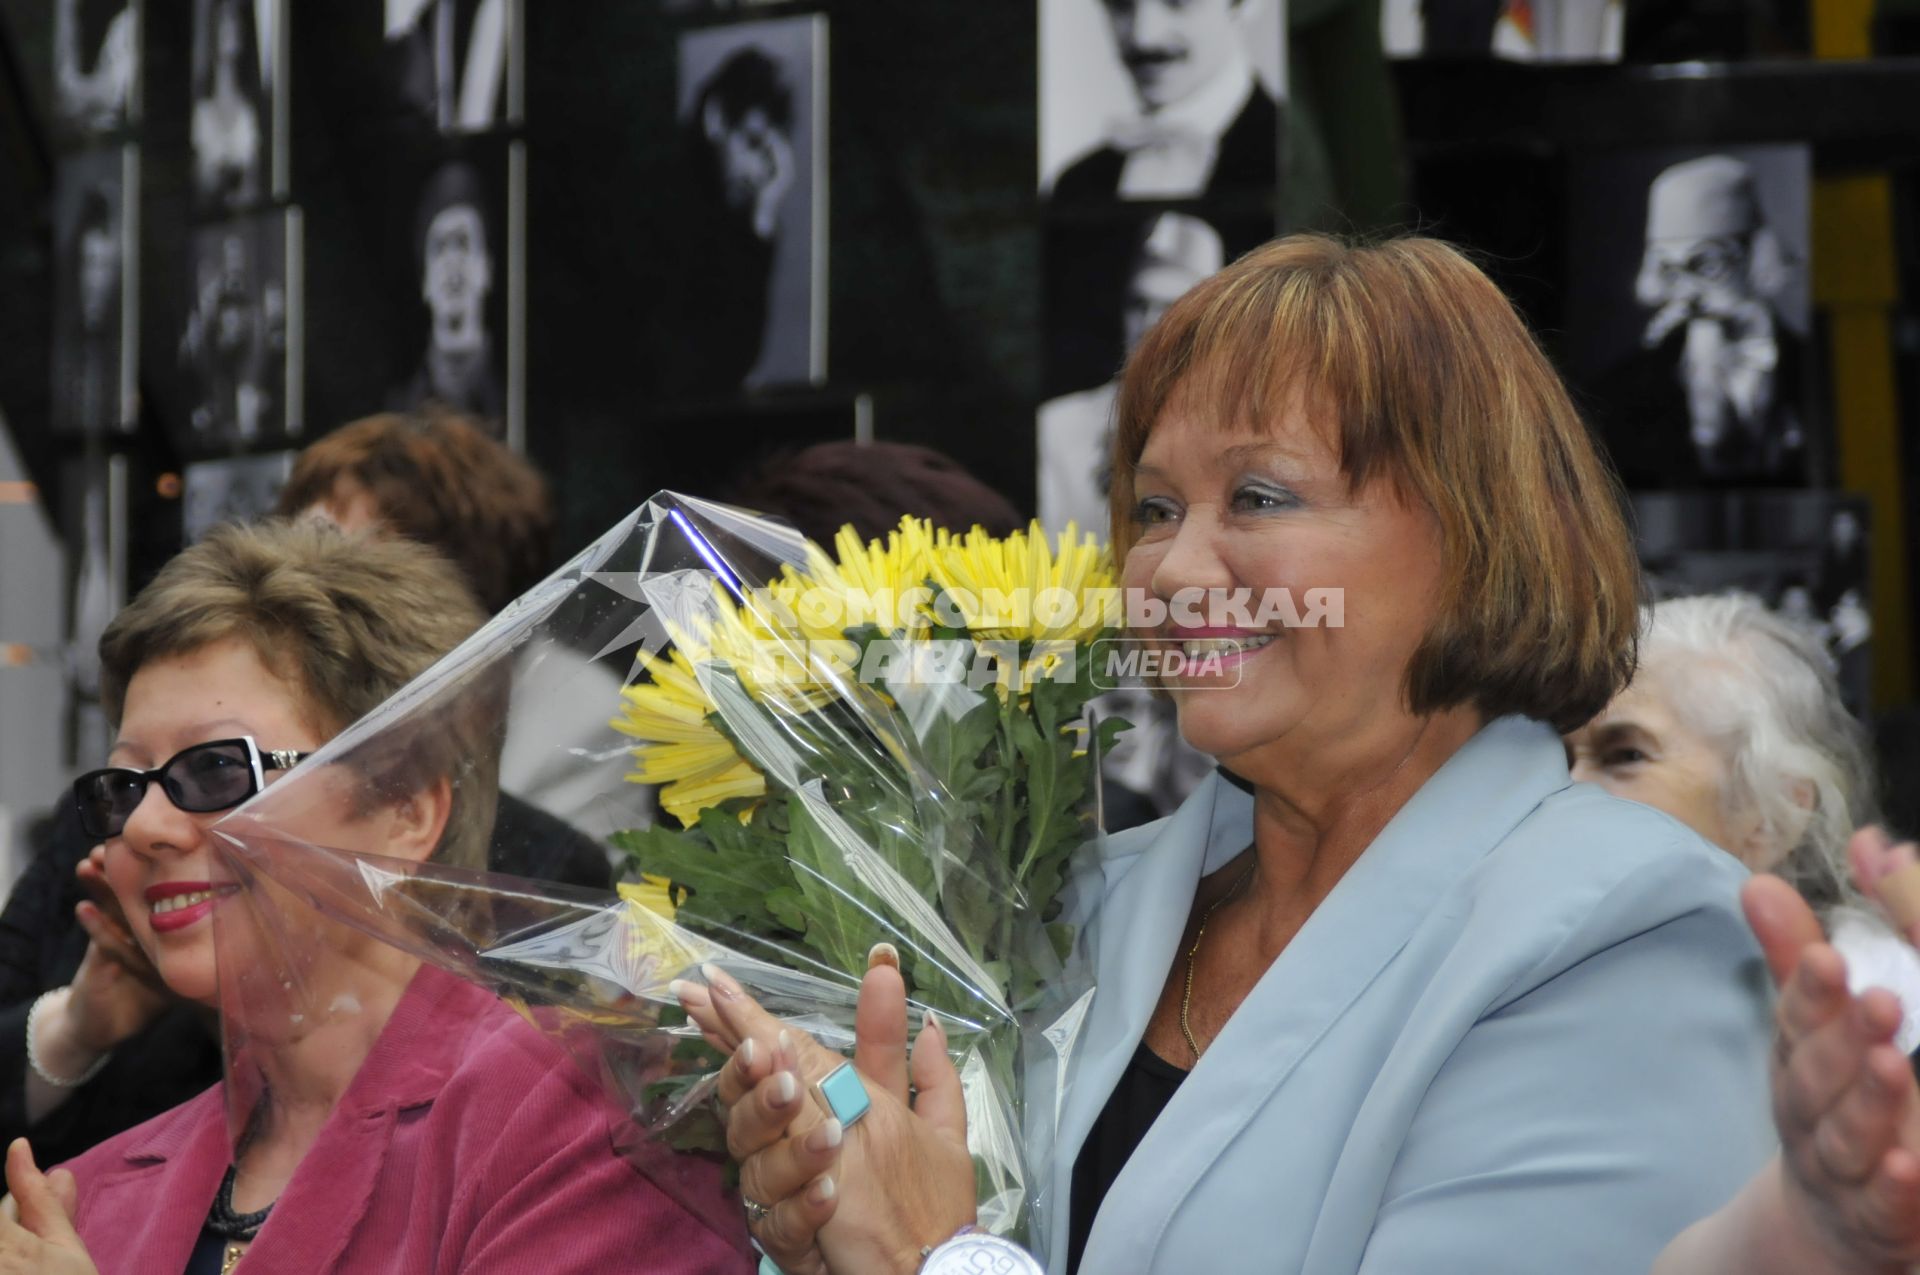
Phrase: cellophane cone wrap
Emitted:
{"points": [[773, 799]]}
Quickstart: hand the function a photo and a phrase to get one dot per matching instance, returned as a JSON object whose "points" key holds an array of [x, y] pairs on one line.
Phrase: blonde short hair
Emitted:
{"points": [[1430, 380], [346, 621]]}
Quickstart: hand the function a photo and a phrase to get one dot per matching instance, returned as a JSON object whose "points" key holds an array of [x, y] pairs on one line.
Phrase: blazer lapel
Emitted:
{"points": [[315, 1219], [1144, 911], [163, 1192], [1474, 800]]}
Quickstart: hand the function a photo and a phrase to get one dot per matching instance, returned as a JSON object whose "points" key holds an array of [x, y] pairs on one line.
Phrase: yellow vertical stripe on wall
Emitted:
{"points": [[1854, 280], [1843, 28]]}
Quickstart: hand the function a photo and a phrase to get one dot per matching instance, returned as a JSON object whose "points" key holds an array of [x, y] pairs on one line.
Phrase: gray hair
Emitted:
{"points": [[1761, 688]]}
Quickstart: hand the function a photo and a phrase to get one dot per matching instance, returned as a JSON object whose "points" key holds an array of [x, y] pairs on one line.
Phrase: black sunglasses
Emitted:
{"points": [[218, 775]]}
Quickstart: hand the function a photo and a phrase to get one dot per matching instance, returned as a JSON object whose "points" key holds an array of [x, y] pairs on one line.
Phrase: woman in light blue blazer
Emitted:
{"points": [[1388, 995]]}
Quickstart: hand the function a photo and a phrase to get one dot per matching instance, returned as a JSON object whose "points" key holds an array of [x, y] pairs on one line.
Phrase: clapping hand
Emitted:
{"points": [[36, 1220], [1888, 873], [859, 1201], [1844, 1096]]}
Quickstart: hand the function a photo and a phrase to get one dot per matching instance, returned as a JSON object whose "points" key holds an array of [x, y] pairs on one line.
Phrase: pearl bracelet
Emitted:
{"points": [[33, 1052]]}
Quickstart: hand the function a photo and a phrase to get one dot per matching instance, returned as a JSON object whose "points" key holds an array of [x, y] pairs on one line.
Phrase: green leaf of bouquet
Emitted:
{"points": [[789, 907], [725, 867], [954, 746], [839, 925]]}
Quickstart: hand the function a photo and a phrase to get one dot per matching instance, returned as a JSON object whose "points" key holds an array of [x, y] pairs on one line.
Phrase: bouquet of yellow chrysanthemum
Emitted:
{"points": [[886, 745], [945, 630]]}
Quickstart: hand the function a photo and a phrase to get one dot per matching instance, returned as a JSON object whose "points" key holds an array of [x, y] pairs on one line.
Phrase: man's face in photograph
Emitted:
{"points": [[99, 276], [1708, 273], [458, 272], [1173, 47], [1844, 533], [746, 154]]}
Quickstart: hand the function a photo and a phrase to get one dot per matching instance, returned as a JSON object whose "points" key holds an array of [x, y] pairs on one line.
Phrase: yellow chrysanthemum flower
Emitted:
{"points": [[696, 765], [867, 582], [651, 893], [653, 940], [1021, 588]]}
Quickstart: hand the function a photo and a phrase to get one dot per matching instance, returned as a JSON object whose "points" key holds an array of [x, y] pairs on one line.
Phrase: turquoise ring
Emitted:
{"points": [[845, 1095]]}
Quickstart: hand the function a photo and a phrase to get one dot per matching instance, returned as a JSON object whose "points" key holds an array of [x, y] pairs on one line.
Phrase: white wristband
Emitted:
{"points": [[33, 1053]]}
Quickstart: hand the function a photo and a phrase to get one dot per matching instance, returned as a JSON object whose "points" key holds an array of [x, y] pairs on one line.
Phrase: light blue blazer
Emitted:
{"points": [[1526, 1034]]}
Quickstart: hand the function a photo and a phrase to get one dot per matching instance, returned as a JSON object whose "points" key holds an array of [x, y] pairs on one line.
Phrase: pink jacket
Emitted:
{"points": [[466, 1143]]}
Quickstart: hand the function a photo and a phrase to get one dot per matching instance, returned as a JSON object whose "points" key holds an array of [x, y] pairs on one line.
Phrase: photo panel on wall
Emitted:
{"points": [[1516, 30], [451, 262], [237, 489], [749, 226], [96, 69], [1803, 553], [1106, 281], [94, 523], [237, 129], [95, 301], [1150, 99], [1689, 314], [239, 352]]}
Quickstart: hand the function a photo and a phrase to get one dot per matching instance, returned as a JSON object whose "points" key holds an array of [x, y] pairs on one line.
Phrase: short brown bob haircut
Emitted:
{"points": [[438, 477], [345, 620], [1433, 383]]}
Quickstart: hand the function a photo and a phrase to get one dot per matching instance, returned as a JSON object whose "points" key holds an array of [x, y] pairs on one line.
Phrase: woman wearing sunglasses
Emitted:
{"points": [[454, 1137]]}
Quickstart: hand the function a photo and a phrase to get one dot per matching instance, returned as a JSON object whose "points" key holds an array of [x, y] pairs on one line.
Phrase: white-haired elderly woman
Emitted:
{"points": [[1733, 724]]}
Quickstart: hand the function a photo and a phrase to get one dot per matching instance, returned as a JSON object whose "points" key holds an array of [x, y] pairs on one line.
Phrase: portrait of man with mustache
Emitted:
{"points": [[1205, 125]]}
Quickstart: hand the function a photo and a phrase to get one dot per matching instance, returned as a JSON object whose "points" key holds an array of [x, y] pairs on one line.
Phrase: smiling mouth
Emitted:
{"points": [[174, 905], [175, 902], [1199, 648]]}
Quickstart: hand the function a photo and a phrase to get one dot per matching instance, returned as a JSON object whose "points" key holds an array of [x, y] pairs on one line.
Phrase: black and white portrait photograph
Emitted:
{"points": [[455, 63], [96, 65], [1805, 554], [1160, 99], [1689, 314], [1105, 285], [1517, 30], [749, 219], [236, 489], [93, 344], [449, 253], [235, 43], [234, 345], [94, 523]]}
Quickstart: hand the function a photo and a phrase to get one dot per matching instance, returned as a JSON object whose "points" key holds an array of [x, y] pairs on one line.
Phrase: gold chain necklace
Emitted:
{"points": [[1186, 995]]}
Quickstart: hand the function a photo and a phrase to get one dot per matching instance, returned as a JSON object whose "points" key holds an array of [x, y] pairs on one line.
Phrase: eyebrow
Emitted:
{"points": [[1241, 453], [1611, 732], [1238, 455], [202, 729]]}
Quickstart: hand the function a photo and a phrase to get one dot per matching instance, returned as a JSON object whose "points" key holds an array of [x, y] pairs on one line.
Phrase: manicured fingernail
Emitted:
{"points": [[826, 1137], [720, 981], [786, 1089], [747, 1051], [687, 993], [935, 1026], [822, 1190], [783, 1049], [883, 954]]}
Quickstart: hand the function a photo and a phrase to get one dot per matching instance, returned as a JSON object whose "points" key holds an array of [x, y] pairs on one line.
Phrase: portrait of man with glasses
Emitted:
{"points": [[1711, 307]]}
